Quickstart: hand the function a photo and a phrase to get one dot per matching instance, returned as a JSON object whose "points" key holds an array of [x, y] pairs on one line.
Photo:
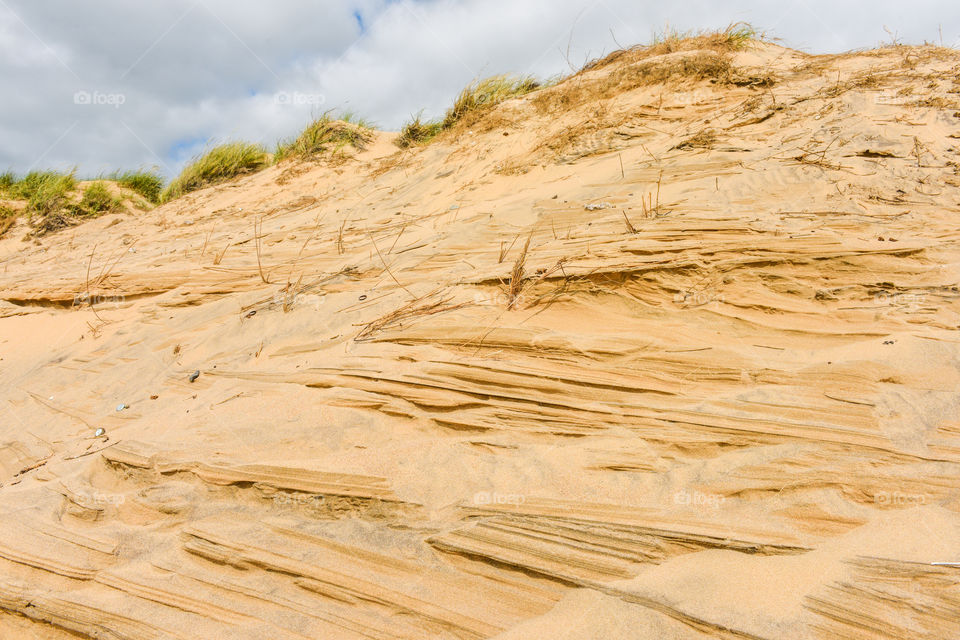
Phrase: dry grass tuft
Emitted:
{"points": [[326, 135], [219, 164], [97, 200], [418, 132], [699, 57], [7, 218], [472, 105], [148, 184], [481, 95], [518, 276], [736, 37], [419, 307], [705, 139]]}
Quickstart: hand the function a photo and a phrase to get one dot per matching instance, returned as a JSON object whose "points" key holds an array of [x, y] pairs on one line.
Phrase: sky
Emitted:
{"points": [[107, 84]]}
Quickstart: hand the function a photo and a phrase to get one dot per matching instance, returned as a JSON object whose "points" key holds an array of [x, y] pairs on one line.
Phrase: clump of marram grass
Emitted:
{"points": [[97, 200], [219, 164], [7, 219], [45, 191], [736, 37], [326, 134], [148, 184], [701, 57], [418, 131], [7, 180], [481, 95], [473, 101]]}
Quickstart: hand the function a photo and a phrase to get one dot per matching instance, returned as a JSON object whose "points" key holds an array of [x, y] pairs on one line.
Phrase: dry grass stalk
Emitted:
{"points": [[207, 239], [290, 294], [630, 226], [219, 256], [504, 249], [374, 242], [413, 309], [256, 237], [518, 275], [702, 140], [340, 238], [651, 209]]}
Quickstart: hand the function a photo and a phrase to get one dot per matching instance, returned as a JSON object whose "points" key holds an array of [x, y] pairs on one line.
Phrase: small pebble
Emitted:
{"points": [[99, 432], [121, 407], [194, 376]]}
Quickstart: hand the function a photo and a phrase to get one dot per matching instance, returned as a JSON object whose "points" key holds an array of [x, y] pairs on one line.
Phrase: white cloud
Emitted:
{"points": [[195, 70]]}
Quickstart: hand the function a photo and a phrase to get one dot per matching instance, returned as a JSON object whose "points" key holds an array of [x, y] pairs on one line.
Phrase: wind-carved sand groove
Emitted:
{"points": [[140, 456], [610, 376]]}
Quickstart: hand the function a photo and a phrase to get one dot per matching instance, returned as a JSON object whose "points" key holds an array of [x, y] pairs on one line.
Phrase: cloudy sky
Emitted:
{"points": [[105, 84]]}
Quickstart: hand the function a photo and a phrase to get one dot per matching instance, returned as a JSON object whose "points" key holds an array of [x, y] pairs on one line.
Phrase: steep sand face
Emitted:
{"points": [[625, 359]]}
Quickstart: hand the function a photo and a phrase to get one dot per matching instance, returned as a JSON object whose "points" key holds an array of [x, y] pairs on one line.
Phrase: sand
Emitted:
{"points": [[721, 400]]}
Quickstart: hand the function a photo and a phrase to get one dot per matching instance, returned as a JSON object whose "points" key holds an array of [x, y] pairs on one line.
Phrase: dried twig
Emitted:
{"points": [[340, 238], [517, 275], [256, 237], [207, 239], [504, 250], [414, 308], [219, 256], [388, 268]]}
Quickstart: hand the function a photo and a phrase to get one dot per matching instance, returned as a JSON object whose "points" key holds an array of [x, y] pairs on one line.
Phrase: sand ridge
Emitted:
{"points": [[632, 359]]}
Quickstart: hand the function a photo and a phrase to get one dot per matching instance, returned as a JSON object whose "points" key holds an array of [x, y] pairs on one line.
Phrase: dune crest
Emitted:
{"points": [[667, 350]]}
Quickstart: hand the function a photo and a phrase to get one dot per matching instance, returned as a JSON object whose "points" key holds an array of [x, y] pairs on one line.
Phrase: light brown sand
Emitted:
{"points": [[741, 421]]}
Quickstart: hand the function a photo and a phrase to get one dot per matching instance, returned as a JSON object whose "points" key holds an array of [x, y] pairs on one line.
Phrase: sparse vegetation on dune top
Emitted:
{"points": [[38, 186], [735, 37], [45, 191], [703, 56], [97, 200], [52, 200], [326, 135], [712, 61], [471, 104], [7, 180], [418, 132], [148, 184], [220, 163], [481, 95]]}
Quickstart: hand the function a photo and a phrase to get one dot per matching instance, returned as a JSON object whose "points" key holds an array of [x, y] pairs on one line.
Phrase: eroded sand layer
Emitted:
{"points": [[624, 359]]}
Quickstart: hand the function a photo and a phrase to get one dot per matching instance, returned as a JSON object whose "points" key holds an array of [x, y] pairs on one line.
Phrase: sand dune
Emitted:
{"points": [[628, 357]]}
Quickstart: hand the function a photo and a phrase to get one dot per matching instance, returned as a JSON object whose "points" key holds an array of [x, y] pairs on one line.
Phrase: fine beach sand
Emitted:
{"points": [[627, 357]]}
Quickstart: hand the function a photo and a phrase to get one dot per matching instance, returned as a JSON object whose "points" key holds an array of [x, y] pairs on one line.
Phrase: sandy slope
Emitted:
{"points": [[739, 419]]}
